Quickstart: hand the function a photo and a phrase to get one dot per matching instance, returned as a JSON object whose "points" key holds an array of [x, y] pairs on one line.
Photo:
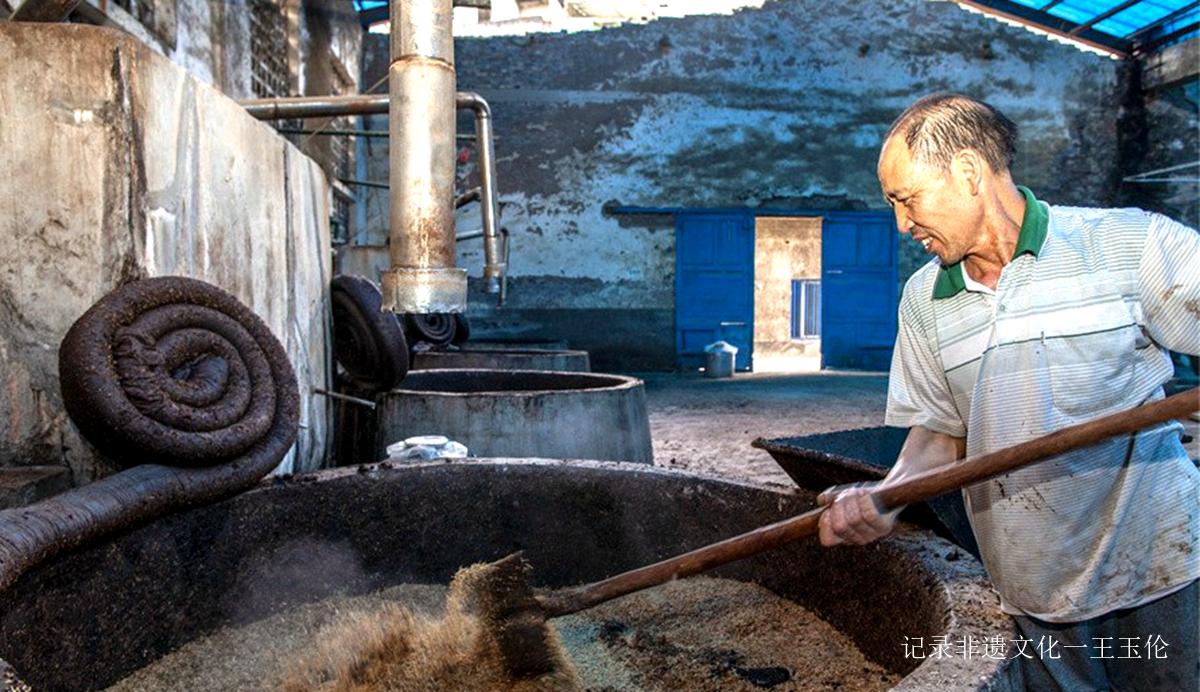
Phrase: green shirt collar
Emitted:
{"points": [[1034, 226]]}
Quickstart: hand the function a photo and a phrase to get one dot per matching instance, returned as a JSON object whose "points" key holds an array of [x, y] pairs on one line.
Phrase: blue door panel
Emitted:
{"points": [[873, 250], [714, 285], [694, 340], [859, 291], [699, 250], [843, 249], [740, 334], [708, 292], [862, 294]]}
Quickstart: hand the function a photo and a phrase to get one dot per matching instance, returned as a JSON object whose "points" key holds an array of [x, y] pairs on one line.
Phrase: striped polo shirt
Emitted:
{"points": [[1078, 327]]}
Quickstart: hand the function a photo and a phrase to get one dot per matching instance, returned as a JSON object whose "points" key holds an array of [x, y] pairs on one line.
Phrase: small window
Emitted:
{"points": [[806, 308], [269, 74]]}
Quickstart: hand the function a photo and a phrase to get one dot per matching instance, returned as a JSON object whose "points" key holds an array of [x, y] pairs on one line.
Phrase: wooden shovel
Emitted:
{"points": [[519, 614]]}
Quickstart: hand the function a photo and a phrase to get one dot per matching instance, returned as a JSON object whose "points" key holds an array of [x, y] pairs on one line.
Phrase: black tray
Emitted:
{"points": [[816, 462]]}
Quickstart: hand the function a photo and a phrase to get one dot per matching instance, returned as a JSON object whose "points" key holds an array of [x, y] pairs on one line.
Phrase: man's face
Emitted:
{"points": [[935, 207]]}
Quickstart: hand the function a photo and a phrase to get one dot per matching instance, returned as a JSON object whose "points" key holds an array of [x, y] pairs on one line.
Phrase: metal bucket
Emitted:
{"points": [[720, 359]]}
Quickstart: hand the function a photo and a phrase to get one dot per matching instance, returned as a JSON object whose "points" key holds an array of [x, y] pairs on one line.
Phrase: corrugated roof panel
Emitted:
{"points": [[1129, 22], [1122, 24], [1078, 12]]}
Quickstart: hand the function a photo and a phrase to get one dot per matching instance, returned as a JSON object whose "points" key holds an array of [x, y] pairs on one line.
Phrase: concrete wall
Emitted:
{"points": [[330, 54], [118, 165], [1160, 131], [212, 41], [785, 248], [1171, 137], [779, 107]]}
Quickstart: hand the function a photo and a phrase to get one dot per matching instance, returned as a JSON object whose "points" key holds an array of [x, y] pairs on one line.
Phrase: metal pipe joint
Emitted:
{"points": [[495, 263]]}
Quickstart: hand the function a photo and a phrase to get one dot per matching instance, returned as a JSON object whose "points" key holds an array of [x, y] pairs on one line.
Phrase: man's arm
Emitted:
{"points": [[1169, 284], [852, 516]]}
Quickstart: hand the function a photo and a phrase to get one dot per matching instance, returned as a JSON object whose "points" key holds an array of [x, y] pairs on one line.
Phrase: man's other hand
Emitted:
{"points": [[852, 517]]}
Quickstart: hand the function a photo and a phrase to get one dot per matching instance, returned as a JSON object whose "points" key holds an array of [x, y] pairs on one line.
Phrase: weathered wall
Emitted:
{"points": [[1159, 131], [330, 53], [779, 107], [785, 248], [119, 165], [212, 41], [1172, 137]]}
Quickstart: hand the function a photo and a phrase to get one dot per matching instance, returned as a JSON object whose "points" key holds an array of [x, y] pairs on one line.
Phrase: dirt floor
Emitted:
{"points": [[707, 425]]}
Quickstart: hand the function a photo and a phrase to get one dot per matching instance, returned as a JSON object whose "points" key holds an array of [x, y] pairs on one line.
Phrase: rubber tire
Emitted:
{"points": [[436, 329], [462, 329], [368, 342]]}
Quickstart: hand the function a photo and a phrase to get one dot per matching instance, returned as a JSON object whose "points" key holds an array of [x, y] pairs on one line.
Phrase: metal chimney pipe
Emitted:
{"points": [[423, 277]]}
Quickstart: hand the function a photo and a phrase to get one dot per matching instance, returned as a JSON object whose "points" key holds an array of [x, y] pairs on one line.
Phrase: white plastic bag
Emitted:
{"points": [[426, 447]]}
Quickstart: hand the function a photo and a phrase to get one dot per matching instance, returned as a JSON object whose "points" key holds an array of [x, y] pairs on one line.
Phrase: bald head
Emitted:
{"points": [[938, 126], [944, 169]]}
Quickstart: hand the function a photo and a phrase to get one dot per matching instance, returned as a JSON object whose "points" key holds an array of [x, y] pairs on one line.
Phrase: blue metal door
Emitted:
{"points": [[860, 289], [714, 285]]}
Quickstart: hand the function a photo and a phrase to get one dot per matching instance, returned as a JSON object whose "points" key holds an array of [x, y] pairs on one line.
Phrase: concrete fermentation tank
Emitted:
{"points": [[467, 357], [517, 344], [502, 413], [173, 580]]}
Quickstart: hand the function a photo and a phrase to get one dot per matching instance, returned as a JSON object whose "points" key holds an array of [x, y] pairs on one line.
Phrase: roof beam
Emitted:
{"points": [[1161, 21], [1172, 65], [1058, 26], [1105, 15], [1151, 46]]}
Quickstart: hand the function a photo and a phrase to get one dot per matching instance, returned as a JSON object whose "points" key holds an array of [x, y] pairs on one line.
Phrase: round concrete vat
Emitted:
{"points": [[91, 616], [503, 359], [517, 344], [505, 413]]}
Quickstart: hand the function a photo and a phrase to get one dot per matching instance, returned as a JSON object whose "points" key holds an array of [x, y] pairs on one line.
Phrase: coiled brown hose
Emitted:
{"points": [[180, 383]]}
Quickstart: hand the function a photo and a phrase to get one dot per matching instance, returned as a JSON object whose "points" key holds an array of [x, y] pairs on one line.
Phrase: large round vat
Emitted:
{"points": [[89, 617], [502, 413], [517, 344], [503, 359]]}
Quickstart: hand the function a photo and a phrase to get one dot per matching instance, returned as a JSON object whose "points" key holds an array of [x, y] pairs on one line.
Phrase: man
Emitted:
{"points": [[1031, 318]]}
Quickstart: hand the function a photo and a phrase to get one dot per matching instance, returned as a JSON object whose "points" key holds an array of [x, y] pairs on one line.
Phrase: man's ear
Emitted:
{"points": [[969, 165]]}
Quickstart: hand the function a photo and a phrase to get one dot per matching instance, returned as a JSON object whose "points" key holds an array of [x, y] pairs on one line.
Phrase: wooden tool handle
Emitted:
{"points": [[961, 474], [913, 489]]}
